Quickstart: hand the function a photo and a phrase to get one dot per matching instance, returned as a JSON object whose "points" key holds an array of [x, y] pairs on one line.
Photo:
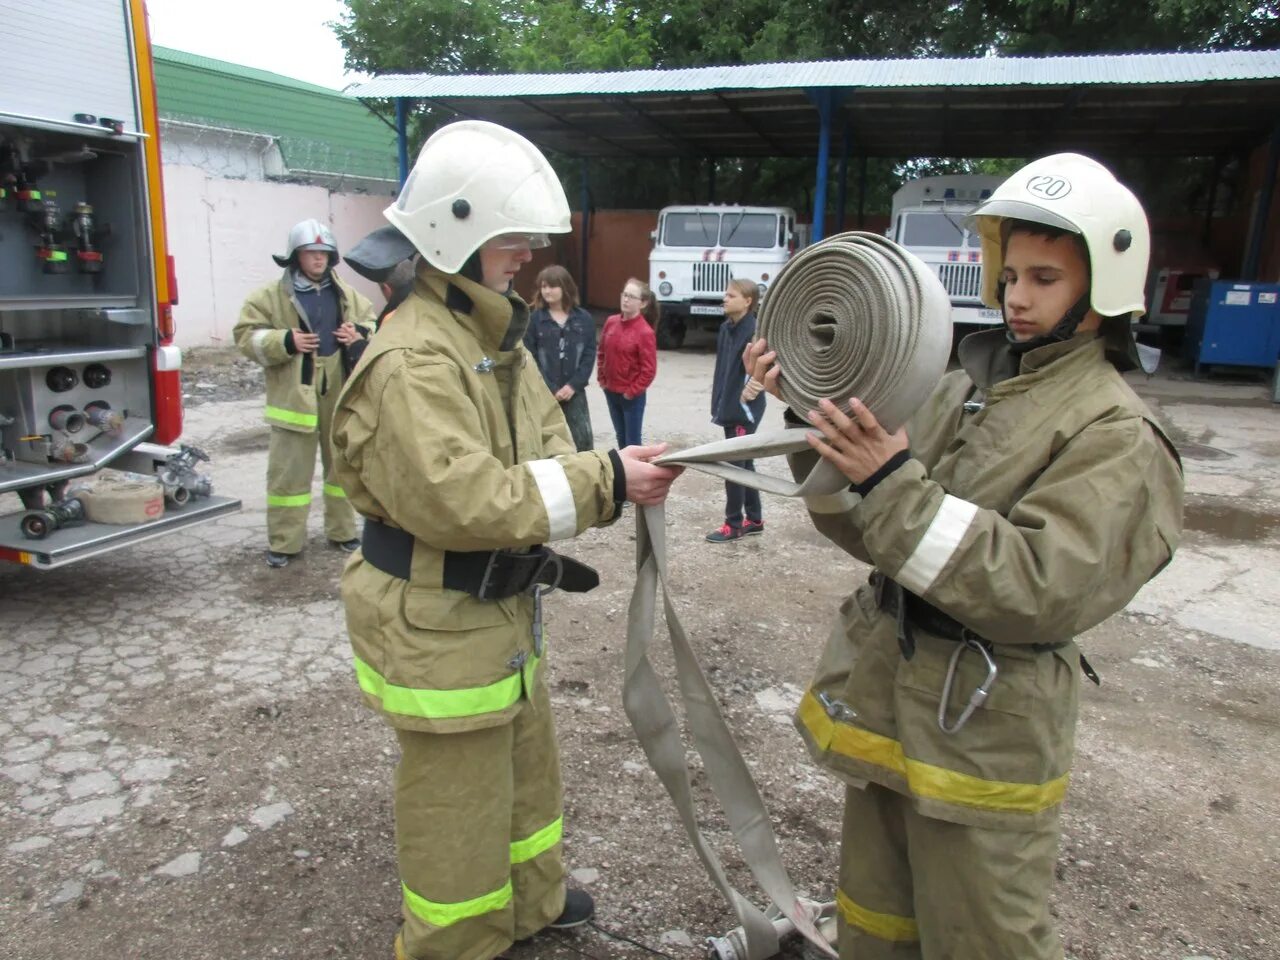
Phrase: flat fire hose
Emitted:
{"points": [[855, 315]]}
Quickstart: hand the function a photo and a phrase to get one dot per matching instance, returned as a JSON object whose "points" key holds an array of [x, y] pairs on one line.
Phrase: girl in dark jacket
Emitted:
{"points": [[628, 360], [562, 339]]}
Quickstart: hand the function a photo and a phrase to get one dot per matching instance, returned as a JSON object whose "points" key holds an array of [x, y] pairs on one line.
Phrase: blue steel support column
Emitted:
{"points": [[1258, 235], [585, 224], [842, 184], [825, 98], [402, 137]]}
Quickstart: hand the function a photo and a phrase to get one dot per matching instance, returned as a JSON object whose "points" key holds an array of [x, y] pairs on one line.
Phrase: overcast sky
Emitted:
{"points": [[288, 37]]}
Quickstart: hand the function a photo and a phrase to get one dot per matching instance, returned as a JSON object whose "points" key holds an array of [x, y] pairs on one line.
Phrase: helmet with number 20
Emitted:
{"points": [[1077, 194]]}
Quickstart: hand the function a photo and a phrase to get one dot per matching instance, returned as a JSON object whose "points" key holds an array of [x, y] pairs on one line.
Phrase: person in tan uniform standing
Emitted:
{"points": [[449, 443], [1026, 502], [301, 329]]}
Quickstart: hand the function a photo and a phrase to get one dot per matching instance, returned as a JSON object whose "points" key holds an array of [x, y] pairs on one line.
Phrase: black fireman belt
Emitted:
{"points": [[915, 612], [485, 574]]}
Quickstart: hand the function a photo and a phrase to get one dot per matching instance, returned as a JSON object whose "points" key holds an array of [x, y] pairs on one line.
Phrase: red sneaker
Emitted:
{"points": [[752, 527], [725, 534]]}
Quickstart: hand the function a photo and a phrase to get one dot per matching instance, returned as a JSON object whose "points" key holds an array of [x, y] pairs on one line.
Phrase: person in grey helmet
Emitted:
{"points": [[302, 329]]}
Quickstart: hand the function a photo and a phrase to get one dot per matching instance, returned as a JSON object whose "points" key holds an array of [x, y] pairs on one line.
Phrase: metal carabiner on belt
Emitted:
{"points": [[980, 692], [540, 590]]}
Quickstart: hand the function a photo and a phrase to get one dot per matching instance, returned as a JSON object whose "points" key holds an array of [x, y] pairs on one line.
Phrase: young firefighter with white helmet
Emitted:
{"points": [[449, 443], [300, 328], [1035, 496]]}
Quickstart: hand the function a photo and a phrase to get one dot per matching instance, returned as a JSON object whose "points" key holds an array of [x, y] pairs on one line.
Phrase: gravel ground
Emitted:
{"points": [[185, 771]]}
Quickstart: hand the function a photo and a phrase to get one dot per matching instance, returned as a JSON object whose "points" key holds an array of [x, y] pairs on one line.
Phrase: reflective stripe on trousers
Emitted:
{"points": [[291, 465], [478, 835], [445, 914], [882, 926], [434, 704], [292, 417], [913, 887]]}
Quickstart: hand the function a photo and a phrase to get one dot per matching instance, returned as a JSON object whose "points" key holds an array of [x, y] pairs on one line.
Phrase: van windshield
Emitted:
{"points": [[749, 230], [690, 229], [935, 230]]}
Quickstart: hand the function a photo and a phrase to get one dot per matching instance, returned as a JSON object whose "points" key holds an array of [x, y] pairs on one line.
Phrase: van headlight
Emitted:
{"points": [[664, 289]]}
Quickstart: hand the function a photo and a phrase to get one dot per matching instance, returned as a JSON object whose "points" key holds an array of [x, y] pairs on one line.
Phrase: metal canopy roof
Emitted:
{"points": [[1167, 104]]}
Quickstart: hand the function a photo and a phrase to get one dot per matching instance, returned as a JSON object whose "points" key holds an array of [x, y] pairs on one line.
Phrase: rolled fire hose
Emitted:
{"points": [[854, 315], [119, 500]]}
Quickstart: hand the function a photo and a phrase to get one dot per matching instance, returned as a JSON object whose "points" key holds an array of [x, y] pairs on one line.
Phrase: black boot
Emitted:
{"points": [[579, 908]]}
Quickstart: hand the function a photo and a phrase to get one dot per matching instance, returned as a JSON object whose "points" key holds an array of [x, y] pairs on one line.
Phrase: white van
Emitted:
{"points": [[928, 218], [698, 249]]}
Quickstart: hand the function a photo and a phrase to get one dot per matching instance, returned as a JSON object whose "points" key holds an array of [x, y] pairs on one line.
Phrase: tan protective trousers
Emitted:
{"points": [[916, 888], [291, 465], [478, 827]]}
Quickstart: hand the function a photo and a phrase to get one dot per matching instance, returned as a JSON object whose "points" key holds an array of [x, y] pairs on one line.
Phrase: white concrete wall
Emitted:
{"points": [[222, 234]]}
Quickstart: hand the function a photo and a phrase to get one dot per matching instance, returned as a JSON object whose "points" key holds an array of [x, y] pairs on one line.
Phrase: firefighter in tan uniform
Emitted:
{"points": [[449, 443], [300, 329], [1036, 496]]}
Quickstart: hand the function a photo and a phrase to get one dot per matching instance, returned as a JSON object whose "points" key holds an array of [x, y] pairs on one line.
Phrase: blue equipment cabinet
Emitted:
{"points": [[1234, 324]]}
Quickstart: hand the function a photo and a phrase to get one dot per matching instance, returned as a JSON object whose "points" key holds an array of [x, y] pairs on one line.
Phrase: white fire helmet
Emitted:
{"points": [[1080, 195], [472, 182], [309, 235]]}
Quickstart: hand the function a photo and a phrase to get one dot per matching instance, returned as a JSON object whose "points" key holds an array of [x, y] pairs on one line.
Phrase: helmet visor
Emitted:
{"points": [[1020, 210], [518, 241]]}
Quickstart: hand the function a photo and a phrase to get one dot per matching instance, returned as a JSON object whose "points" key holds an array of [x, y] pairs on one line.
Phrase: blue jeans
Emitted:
{"points": [[627, 416]]}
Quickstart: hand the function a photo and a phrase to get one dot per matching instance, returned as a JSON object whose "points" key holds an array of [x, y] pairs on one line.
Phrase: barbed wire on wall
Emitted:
{"points": [[248, 155]]}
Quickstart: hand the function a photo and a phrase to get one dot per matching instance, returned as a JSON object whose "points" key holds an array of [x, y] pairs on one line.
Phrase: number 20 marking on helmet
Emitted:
{"points": [[1049, 187]]}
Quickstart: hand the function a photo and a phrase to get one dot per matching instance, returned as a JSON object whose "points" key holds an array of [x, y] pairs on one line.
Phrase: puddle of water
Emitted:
{"points": [[1230, 523], [257, 438], [1202, 451], [1261, 402]]}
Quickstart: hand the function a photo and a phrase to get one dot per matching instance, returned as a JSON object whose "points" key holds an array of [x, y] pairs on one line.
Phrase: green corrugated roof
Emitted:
{"points": [[319, 129]]}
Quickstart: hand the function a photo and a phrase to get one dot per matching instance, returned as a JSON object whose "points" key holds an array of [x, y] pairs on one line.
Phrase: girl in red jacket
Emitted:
{"points": [[628, 359]]}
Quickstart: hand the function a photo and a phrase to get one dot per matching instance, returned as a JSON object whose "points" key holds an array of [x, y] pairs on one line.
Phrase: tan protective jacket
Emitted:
{"points": [[265, 320], [1029, 521], [443, 433]]}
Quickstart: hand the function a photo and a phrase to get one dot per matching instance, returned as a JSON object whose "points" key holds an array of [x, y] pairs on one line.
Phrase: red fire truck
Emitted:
{"points": [[89, 372]]}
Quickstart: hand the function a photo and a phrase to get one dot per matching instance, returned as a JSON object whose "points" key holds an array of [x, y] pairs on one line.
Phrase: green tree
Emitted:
{"points": [[1115, 26], [492, 36], [496, 36], [423, 36]]}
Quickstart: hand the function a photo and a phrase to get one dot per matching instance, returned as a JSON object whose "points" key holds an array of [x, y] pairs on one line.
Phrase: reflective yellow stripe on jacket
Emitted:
{"points": [[440, 914], [281, 415], [926, 779], [444, 704]]}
